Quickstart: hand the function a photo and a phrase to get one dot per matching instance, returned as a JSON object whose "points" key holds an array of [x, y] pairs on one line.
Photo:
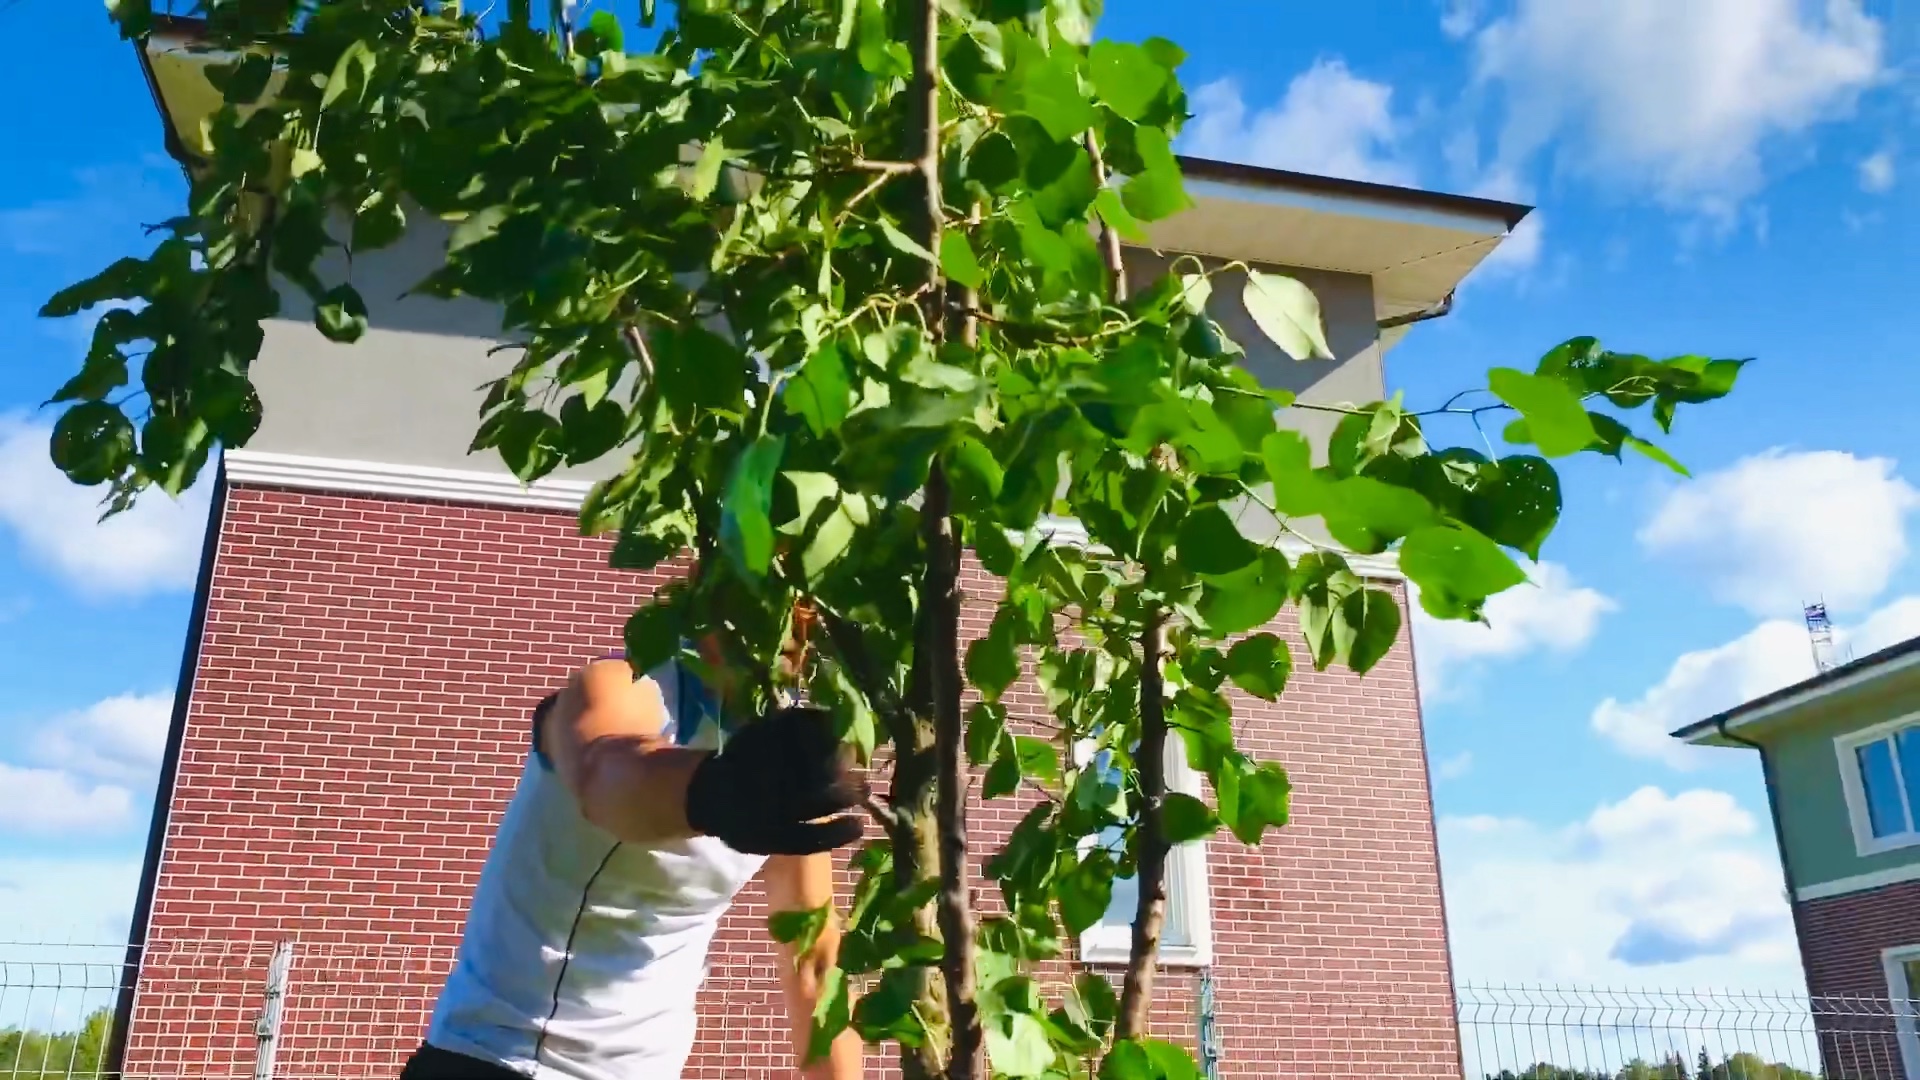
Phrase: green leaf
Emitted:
{"points": [[1556, 421], [1209, 543], [341, 315], [379, 222], [799, 929], [247, 79], [1370, 620], [1260, 665], [1127, 78], [976, 476], [993, 661], [1148, 1059], [1366, 515], [886, 1011], [476, 227], [652, 635], [1519, 505], [1044, 87], [1155, 195], [91, 443], [1456, 569], [904, 243], [356, 56], [1247, 598], [1185, 818], [986, 730], [832, 1012], [1261, 798], [1039, 760], [607, 32], [1017, 1045], [746, 533], [957, 261], [706, 169], [1085, 891], [1288, 313], [821, 393], [1003, 776], [1114, 212], [1656, 453]]}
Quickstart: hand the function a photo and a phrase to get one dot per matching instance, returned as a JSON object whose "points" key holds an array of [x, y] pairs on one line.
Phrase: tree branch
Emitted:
{"points": [[1109, 238], [1150, 914]]}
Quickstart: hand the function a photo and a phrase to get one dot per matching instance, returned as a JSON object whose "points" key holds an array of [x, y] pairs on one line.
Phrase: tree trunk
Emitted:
{"points": [[937, 650], [1136, 995]]}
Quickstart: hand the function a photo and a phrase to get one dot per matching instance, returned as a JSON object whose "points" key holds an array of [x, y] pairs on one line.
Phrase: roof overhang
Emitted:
{"points": [[1885, 672], [1417, 246]]}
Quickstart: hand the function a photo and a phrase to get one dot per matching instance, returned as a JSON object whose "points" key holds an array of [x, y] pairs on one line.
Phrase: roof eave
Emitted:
{"points": [[1890, 661]]}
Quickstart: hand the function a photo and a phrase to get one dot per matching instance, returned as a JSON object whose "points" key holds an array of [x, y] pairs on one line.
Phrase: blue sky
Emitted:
{"points": [[1731, 177]]}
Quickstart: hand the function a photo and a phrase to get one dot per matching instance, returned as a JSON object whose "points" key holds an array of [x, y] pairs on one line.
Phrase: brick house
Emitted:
{"points": [[377, 611], [1840, 753]]}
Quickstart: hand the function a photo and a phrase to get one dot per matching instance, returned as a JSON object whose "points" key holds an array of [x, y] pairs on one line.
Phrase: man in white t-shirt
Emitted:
{"points": [[625, 842]]}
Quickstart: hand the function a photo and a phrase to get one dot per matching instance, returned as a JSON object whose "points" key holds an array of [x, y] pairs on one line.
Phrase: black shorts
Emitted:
{"points": [[432, 1063]]}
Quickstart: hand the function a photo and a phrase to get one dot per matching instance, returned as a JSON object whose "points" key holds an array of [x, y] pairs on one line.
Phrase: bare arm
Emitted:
{"points": [[603, 736], [804, 883]]}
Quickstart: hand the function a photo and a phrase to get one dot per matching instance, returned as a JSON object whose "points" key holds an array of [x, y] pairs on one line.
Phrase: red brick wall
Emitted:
{"points": [[359, 716], [1842, 938]]}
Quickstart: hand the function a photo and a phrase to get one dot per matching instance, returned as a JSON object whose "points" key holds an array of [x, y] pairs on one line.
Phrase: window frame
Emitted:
{"points": [[1853, 786], [1188, 893], [1904, 997]]}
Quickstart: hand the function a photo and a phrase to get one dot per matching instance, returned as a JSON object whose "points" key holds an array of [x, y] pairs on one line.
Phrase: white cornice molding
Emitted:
{"points": [[346, 477], [1878, 879], [342, 476]]}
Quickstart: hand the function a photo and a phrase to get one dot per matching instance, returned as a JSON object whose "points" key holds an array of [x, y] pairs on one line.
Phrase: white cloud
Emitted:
{"points": [[1876, 172], [86, 768], [1459, 17], [1780, 529], [1681, 889], [153, 547], [1455, 767], [1330, 121], [1681, 97], [1774, 655], [54, 801], [121, 738], [1549, 614]]}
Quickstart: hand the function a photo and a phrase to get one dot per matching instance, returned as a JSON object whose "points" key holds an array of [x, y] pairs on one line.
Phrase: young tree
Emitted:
{"points": [[907, 213]]}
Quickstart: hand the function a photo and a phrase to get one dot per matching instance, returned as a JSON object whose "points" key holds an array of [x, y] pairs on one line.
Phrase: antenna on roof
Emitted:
{"points": [[1820, 632]]}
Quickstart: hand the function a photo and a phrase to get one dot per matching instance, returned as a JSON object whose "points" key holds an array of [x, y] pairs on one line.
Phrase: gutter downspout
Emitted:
{"points": [[131, 965], [1779, 841]]}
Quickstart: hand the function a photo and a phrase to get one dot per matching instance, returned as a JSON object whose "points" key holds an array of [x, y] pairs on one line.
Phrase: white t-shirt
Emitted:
{"points": [[582, 954]]}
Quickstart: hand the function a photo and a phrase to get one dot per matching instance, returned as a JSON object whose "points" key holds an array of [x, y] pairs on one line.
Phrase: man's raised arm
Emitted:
{"points": [[602, 734], [805, 883]]}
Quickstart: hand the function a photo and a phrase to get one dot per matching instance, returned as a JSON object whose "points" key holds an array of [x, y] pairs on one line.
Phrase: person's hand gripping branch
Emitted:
{"points": [[782, 785]]}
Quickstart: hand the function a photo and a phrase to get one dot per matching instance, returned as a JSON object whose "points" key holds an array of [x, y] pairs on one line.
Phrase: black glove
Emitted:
{"points": [[762, 792]]}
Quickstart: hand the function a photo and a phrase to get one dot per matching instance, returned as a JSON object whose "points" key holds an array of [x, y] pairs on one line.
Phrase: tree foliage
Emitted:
{"points": [[839, 283]]}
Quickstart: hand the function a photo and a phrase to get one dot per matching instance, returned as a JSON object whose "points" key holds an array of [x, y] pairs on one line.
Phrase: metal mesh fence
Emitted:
{"points": [[307, 1011]]}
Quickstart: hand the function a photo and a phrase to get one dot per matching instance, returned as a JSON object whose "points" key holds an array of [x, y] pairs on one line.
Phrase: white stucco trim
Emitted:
{"points": [[1893, 875], [348, 477]]}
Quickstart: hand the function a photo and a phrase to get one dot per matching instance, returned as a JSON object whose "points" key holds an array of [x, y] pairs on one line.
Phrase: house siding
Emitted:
{"points": [[1842, 940], [359, 716], [1815, 827]]}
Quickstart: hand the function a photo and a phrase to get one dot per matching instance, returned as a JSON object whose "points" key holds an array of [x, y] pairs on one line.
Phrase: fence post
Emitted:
{"points": [[1209, 1028], [266, 1029]]}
